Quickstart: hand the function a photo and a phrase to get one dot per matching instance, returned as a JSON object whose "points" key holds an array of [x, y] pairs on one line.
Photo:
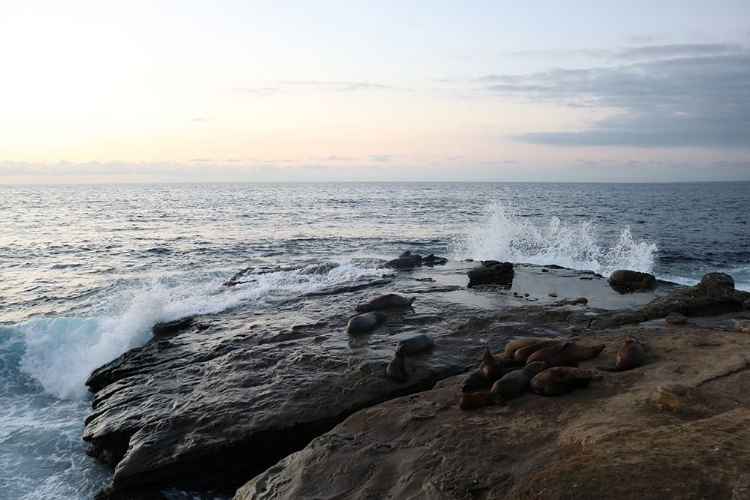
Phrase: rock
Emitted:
{"points": [[717, 279], [171, 327], [713, 297], [614, 319], [675, 318], [598, 442], [407, 260], [625, 281], [237, 278], [553, 295], [742, 327], [579, 301], [746, 305], [492, 272]]}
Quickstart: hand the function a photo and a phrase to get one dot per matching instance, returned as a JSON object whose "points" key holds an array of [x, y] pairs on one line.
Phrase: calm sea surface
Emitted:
{"points": [[85, 271]]}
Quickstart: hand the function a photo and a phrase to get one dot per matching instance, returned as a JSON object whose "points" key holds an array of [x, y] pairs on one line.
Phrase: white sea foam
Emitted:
{"points": [[505, 236], [60, 353]]}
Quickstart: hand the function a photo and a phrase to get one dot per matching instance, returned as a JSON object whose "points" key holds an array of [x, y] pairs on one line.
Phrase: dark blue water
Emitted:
{"points": [[87, 270]]}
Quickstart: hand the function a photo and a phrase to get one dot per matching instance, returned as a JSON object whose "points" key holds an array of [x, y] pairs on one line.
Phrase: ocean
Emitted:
{"points": [[87, 270]]}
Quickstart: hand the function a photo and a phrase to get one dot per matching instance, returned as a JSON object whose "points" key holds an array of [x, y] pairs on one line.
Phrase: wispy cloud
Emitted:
{"points": [[686, 101], [295, 85], [381, 158]]}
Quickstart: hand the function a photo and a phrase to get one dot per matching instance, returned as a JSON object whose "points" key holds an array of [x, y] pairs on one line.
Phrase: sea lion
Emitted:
{"points": [[396, 369], [386, 301], [473, 400], [523, 353], [562, 379], [630, 355], [416, 344], [365, 322], [491, 369], [514, 345], [566, 354], [515, 383]]}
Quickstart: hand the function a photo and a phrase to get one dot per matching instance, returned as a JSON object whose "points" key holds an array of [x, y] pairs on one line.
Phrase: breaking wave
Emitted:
{"points": [[505, 236]]}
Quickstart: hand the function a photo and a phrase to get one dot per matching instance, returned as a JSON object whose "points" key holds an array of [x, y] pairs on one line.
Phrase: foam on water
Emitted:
{"points": [[505, 236], [60, 353]]}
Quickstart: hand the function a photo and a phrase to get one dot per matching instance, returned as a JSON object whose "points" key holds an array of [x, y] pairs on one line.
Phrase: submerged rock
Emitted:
{"points": [[408, 260]]}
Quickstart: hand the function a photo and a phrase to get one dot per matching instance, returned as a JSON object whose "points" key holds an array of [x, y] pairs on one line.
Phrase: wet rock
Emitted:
{"points": [[625, 281], [742, 327], [408, 260], [237, 278], [717, 279], [579, 301], [746, 305], [171, 327], [710, 297], [492, 272], [675, 319], [614, 319]]}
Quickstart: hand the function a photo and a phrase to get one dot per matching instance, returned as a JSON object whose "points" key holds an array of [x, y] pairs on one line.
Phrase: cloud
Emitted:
{"points": [[331, 158], [687, 101], [200, 120], [201, 160], [381, 158], [338, 86]]}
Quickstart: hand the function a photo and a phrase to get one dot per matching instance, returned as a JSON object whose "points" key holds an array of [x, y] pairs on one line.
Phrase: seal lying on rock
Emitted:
{"points": [[515, 383], [566, 354], [385, 302], [514, 345], [561, 380], [473, 400], [522, 354], [629, 356], [416, 344], [365, 322], [491, 369], [396, 369]]}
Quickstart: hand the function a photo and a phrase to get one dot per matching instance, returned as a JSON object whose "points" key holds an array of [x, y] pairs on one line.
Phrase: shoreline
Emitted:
{"points": [[191, 409]]}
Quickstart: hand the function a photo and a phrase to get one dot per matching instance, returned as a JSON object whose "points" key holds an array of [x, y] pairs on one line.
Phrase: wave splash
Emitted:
{"points": [[504, 236], [60, 353]]}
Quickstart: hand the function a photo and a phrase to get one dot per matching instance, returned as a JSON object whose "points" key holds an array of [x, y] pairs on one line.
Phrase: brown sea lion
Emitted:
{"points": [[562, 379], [396, 369], [473, 400], [387, 301], [514, 345], [566, 354], [515, 383], [630, 355], [523, 353], [491, 369]]}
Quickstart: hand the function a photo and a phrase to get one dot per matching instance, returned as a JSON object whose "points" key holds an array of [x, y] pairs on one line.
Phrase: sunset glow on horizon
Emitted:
{"points": [[266, 91]]}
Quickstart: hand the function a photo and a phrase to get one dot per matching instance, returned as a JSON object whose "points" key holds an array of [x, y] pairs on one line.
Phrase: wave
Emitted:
{"points": [[505, 236], [60, 353]]}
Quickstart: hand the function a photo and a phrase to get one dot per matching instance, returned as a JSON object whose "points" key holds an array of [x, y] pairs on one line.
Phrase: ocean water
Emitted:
{"points": [[85, 271]]}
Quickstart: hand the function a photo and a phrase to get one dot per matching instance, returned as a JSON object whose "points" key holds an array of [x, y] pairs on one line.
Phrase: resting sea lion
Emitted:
{"points": [[491, 369], [566, 354], [629, 356], [396, 369], [416, 344], [473, 400], [523, 353], [385, 302], [365, 322], [514, 345], [515, 383], [561, 380]]}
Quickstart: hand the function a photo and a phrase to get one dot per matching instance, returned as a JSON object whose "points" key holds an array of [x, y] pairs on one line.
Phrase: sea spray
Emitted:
{"points": [[60, 353], [505, 236]]}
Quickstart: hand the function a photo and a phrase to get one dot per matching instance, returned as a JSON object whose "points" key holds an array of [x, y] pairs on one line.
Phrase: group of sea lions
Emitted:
{"points": [[370, 317], [547, 367]]}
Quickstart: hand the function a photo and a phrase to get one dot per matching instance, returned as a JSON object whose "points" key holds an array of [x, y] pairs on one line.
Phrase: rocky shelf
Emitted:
{"points": [[212, 403]]}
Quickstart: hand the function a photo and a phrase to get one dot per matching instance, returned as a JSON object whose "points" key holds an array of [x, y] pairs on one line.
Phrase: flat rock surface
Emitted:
{"points": [[677, 427], [210, 407]]}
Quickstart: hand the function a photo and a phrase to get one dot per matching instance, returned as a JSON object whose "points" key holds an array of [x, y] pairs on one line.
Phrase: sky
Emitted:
{"points": [[230, 91]]}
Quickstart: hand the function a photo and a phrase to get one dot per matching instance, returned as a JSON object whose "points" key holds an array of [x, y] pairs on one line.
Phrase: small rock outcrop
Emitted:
{"points": [[491, 272], [625, 281], [408, 260], [715, 294]]}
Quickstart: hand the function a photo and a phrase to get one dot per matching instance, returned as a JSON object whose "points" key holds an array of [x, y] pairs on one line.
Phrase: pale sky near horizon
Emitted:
{"points": [[170, 91]]}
